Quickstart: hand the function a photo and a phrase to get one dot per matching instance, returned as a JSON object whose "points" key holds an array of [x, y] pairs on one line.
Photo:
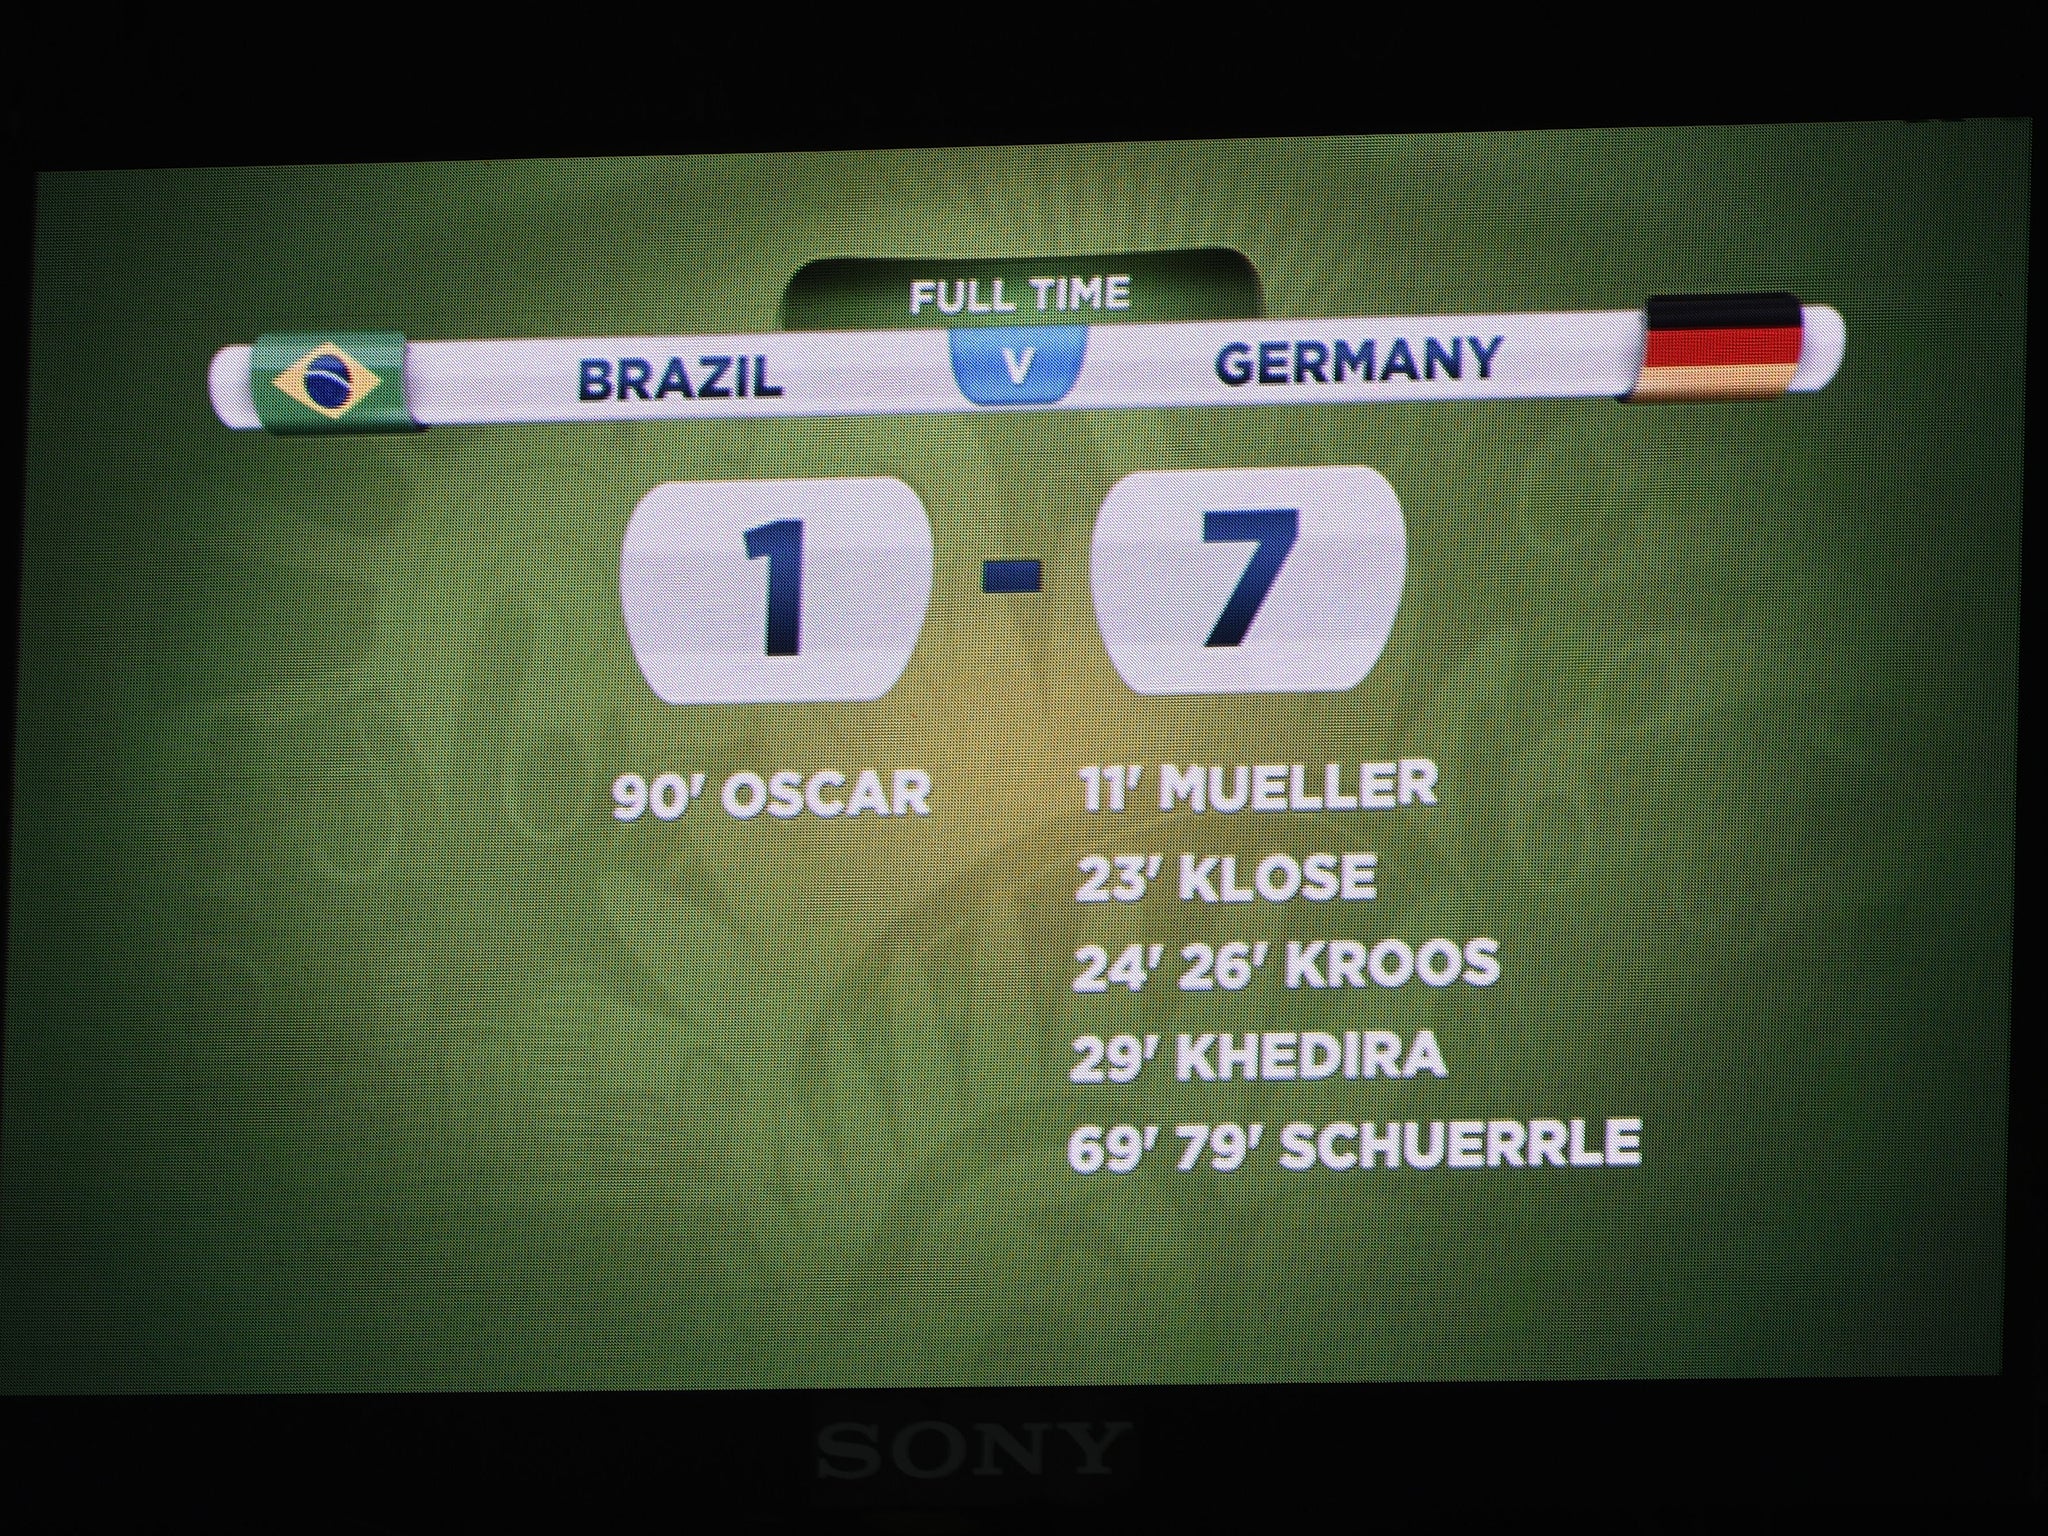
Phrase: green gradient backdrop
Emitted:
{"points": [[352, 1044]]}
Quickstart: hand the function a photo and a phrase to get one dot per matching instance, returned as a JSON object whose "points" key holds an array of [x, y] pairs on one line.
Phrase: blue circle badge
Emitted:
{"points": [[327, 381]]}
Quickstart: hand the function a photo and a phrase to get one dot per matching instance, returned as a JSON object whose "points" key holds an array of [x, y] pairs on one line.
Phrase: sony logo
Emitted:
{"points": [[929, 1449]]}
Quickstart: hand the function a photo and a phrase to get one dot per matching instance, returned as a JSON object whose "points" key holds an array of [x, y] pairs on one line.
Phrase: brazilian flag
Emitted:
{"points": [[330, 381]]}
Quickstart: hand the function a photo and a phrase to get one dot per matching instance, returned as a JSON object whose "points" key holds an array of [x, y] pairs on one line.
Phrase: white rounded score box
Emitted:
{"points": [[695, 605], [1159, 588]]}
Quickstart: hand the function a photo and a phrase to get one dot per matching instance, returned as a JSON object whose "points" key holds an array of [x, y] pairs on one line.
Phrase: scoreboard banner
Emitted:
{"points": [[740, 772], [1698, 348]]}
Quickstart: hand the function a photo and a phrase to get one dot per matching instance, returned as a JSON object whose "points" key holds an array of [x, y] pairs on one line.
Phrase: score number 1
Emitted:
{"points": [[847, 579], [781, 544]]}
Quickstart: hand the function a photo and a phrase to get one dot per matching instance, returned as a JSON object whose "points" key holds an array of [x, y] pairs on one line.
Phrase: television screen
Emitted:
{"points": [[1378, 760]]}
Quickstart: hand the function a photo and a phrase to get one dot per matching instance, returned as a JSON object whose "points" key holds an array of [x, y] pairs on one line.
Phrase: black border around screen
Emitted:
{"points": [[1250, 1457]]}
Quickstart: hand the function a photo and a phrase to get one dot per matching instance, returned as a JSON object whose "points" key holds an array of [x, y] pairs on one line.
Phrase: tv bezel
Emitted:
{"points": [[1887, 1446]]}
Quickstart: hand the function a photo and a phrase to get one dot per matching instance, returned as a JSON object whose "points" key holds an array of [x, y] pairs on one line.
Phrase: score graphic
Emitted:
{"points": [[1204, 581], [845, 567]]}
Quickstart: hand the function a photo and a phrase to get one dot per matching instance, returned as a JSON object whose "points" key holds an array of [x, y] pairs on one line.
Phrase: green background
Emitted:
{"points": [[352, 1044]]}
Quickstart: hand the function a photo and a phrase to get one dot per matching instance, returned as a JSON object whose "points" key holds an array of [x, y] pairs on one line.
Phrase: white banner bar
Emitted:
{"points": [[1584, 354]]}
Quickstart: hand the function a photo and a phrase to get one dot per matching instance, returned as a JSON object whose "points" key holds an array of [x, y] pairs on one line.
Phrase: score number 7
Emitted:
{"points": [[1176, 619], [1273, 532]]}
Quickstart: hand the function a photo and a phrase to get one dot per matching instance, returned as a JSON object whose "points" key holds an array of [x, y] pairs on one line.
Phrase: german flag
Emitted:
{"points": [[1719, 346]]}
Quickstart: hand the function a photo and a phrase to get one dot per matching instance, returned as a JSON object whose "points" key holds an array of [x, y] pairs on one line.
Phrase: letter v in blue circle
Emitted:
{"points": [[1018, 365]]}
